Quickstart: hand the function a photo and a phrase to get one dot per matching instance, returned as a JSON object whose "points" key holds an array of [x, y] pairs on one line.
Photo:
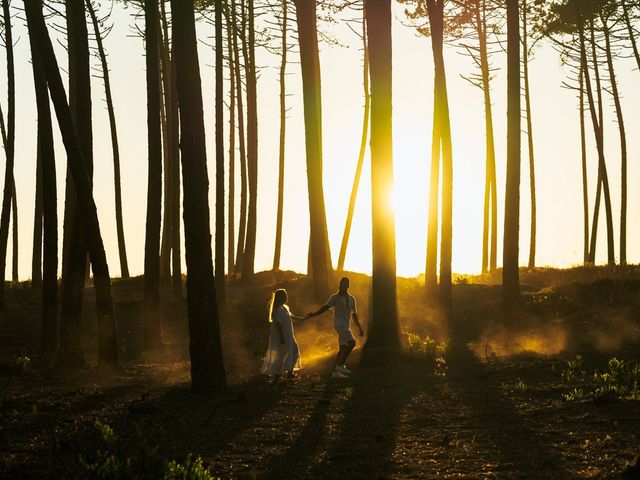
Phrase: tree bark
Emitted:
{"points": [[383, 331], [152, 329], [281, 146], [122, 248], [107, 339], [49, 213], [231, 255], [219, 134], [207, 366], [363, 148], [312, 98], [9, 151], [511, 281], [532, 168], [585, 183], [36, 258]]}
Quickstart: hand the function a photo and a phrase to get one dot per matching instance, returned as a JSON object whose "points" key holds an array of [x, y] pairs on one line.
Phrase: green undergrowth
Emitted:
{"points": [[620, 380]]}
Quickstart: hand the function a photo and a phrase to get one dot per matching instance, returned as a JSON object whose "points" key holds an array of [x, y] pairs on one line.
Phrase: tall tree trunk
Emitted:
{"points": [[312, 97], [363, 148], [207, 366], [48, 204], [219, 132], [603, 178], [231, 208], [511, 281], [152, 329], [252, 150], [384, 320], [36, 258], [9, 151], [623, 143], [532, 168], [87, 213], [14, 229], [166, 236], [122, 249], [74, 256], [281, 146], [585, 183], [241, 136], [490, 230], [431, 266]]}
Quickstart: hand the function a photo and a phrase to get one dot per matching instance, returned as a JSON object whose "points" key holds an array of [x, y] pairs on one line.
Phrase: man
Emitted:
{"points": [[344, 309]]}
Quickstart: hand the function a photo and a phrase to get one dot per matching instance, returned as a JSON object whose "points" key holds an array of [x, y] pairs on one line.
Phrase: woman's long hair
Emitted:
{"points": [[278, 298]]}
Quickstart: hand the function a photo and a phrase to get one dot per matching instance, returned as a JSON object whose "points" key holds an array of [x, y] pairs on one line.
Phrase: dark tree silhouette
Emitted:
{"points": [[49, 212], [152, 330], [86, 208], [9, 144], [530, 145], [384, 320], [207, 366], [219, 133], [102, 55], [320, 255], [231, 210], [510, 273]]}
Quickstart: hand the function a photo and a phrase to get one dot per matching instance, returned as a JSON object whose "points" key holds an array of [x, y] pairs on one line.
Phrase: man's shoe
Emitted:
{"points": [[338, 374], [343, 369]]}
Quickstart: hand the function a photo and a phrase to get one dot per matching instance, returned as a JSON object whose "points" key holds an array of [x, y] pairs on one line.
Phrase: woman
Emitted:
{"points": [[283, 354]]}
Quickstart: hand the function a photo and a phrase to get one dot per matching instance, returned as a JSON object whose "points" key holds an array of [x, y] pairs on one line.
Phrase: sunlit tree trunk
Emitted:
{"points": [[490, 211], [310, 64], [532, 169], [74, 252], [9, 150], [241, 136], [281, 146], [231, 208], [219, 138], [585, 183], [511, 281], [623, 142], [152, 331], [252, 149], [86, 208], [363, 147], [48, 213], [122, 249], [207, 366], [383, 330]]}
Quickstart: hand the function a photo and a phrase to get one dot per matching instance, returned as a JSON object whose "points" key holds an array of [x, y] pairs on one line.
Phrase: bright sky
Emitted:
{"points": [[556, 131]]}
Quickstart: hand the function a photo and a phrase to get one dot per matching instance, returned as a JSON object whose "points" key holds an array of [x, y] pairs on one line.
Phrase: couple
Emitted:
{"points": [[283, 354]]}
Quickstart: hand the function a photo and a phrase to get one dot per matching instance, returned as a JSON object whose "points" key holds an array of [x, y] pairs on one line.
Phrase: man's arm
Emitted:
{"points": [[354, 317], [322, 309]]}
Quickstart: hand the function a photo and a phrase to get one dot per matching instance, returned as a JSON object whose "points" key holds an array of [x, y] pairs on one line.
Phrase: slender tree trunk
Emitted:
{"points": [[489, 240], [241, 136], [9, 151], [363, 148], [14, 228], [309, 62], [603, 178], [231, 209], [362, 152], [384, 331], [431, 266], [167, 217], [623, 143], [74, 257], [48, 205], [152, 329], [585, 183], [219, 133], [281, 147], [207, 366], [107, 339], [532, 169], [252, 151], [511, 281], [36, 259], [122, 249]]}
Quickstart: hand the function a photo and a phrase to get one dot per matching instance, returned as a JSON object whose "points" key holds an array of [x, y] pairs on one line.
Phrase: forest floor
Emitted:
{"points": [[497, 394]]}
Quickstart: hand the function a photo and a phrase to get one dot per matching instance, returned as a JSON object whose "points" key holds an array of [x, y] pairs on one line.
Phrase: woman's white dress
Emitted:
{"points": [[281, 357]]}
